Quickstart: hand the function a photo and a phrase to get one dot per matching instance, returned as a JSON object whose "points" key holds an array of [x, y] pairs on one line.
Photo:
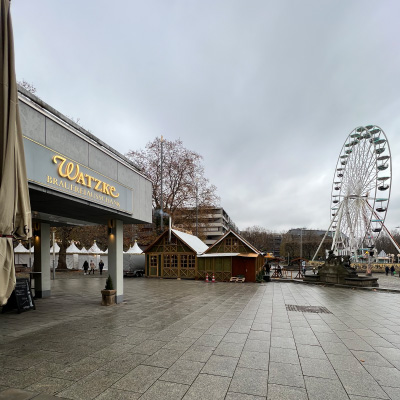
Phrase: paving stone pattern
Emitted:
{"points": [[191, 340]]}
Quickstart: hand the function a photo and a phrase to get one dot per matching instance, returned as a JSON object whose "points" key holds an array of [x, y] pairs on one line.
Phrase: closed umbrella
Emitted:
{"points": [[15, 210]]}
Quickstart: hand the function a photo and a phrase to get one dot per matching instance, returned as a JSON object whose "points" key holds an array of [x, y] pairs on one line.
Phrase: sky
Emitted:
{"points": [[266, 91]]}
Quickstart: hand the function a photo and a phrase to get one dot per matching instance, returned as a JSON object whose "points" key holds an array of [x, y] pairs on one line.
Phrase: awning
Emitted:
{"points": [[252, 255]]}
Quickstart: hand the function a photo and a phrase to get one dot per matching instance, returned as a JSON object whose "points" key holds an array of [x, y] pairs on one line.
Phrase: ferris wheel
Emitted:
{"points": [[360, 191]]}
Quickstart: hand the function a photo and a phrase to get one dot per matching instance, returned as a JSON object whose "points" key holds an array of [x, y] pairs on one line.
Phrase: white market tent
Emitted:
{"points": [[21, 255], [135, 249], [72, 256], [96, 254]]}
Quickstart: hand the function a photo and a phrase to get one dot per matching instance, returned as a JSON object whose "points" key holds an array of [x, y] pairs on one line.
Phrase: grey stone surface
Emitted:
{"points": [[116, 394], [311, 352], [328, 389], [16, 394], [317, 368], [219, 365], [183, 371], [44, 349], [280, 392], [250, 381], [208, 387], [285, 374], [165, 391], [254, 360], [288, 356], [139, 379]]}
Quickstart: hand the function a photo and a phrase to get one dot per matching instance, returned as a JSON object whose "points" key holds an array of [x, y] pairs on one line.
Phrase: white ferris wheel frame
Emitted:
{"points": [[363, 170]]}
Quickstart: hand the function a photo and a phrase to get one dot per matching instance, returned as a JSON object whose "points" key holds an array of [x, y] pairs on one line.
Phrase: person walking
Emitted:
{"points": [[392, 270], [387, 270], [101, 266], [92, 267], [85, 267]]}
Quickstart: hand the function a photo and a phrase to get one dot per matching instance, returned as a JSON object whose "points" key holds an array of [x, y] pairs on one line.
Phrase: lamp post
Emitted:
{"points": [[161, 177], [197, 209]]}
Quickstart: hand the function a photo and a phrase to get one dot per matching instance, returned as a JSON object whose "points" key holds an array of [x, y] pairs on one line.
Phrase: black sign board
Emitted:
{"points": [[21, 298]]}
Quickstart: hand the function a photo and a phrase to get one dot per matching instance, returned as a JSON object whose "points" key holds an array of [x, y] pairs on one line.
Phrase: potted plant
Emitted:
{"points": [[108, 293]]}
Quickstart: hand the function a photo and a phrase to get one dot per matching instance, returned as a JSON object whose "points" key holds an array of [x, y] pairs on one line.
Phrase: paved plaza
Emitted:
{"points": [[191, 340]]}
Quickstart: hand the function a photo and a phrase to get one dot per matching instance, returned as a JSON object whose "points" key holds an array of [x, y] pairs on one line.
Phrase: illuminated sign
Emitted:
{"points": [[49, 168]]}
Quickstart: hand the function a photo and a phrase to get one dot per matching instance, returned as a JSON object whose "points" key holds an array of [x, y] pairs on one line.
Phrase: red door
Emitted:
{"points": [[244, 266]]}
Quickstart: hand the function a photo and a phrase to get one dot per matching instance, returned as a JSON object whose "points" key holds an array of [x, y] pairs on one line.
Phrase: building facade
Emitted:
{"points": [[210, 224]]}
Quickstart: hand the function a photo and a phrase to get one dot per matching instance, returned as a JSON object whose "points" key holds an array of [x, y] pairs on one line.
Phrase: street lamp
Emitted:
{"points": [[161, 175]]}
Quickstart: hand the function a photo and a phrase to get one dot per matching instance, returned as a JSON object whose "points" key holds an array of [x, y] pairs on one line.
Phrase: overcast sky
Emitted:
{"points": [[266, 91]]}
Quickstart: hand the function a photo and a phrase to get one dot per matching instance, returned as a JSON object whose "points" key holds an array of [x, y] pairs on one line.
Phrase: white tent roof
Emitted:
{"points": [[57, 248], [105, 251], [382, 254], [192, 241], [72, 249], [83, 250], [135, 249], [94, 249], [21, 249]]}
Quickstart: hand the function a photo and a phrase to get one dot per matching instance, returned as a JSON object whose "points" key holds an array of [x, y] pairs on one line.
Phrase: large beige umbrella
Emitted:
{"points": [[15, 209]]}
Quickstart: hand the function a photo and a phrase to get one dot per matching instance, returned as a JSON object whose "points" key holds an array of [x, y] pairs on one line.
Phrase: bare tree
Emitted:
{"points": [[260, 238], [184, 182]]}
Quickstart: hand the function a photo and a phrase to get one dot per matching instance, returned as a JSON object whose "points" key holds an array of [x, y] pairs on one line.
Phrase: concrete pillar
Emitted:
{"points": [[115, 257], [41, 242]]}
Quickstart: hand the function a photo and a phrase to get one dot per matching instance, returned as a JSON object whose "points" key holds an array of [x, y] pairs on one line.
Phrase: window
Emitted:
{"points": [[153, 261], [188, 261]]}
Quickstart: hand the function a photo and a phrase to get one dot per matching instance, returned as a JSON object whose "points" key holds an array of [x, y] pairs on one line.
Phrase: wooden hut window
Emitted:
{"points": [[174, 261], [191, 261], [188, 261], [231, 244], [167, 260], [153, 261]]}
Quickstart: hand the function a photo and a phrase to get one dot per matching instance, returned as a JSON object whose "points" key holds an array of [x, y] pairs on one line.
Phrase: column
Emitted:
{"points": [[41, 242], [115, 257]]}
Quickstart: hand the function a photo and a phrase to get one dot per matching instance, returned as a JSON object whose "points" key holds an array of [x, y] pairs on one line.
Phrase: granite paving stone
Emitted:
{"points": [[284, 342], [385, 376], [250, 381], [242, 396], [165, 391], [285, 374], [360, 383], [281, 392], [289, 356], [90, 386], [116, 394], [209, 340], [163, 358], [371, 358], [198, 353], [254, 360], [139, 379], [327, 389], [220, 365], [229, 349], [16, 394], [308, 351], [317, 368], [50, 385], [261, 346], [183, 371], [208, 387]]}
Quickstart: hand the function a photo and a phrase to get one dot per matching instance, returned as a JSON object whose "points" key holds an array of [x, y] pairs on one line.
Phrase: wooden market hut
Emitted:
{"points": [[230, 256], [174, 255]]}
